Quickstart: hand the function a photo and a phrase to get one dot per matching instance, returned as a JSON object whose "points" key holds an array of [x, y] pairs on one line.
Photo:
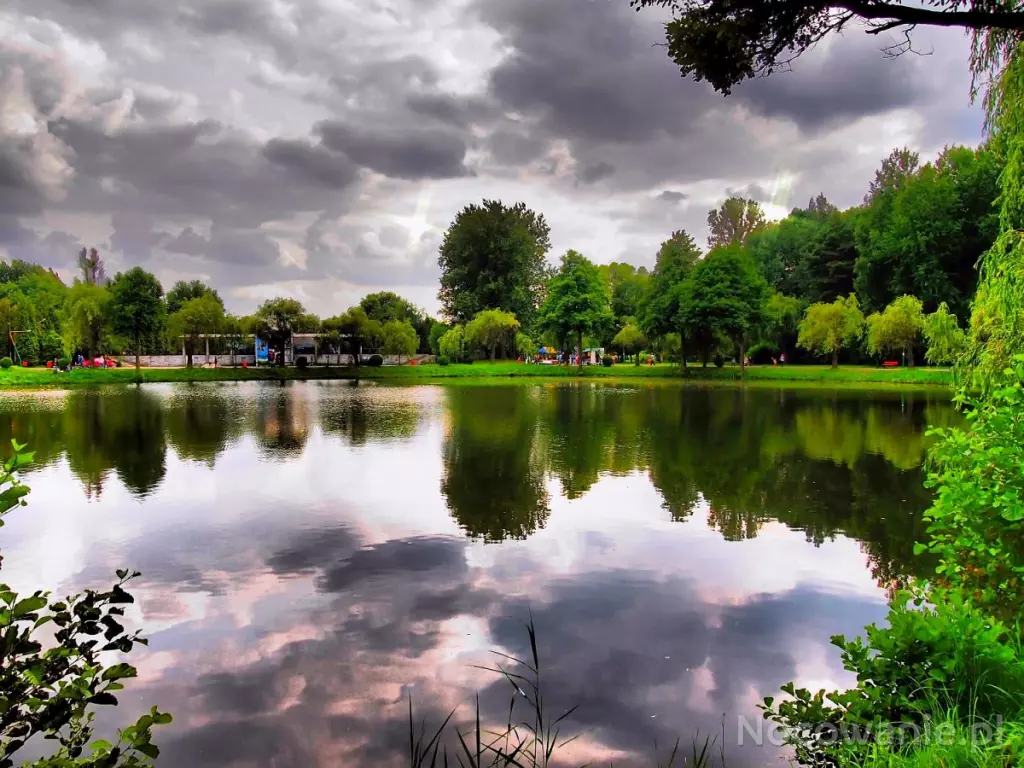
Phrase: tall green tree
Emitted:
{"points": [[453, 344], [629, 286], [183, 290], [137, 309], [493, 257], [196, 318], [492, 330], [723, 296], [829, 328], [437, 330], [578, 300], [87, 318], [399, 338], [733, 221], [897, 328], [352, 331], [277, 319], [630, 339], [91, 267], [945, 338], [677, 256], [385, 306], [780, 320]]}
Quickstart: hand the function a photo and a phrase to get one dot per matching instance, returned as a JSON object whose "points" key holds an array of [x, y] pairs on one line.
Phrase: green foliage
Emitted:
{"points": [[184, 290], [828, 328], [946, 339], [722, 297], [452, 344], [493, 257], [352, 332], [607, 361], [780, 320], [63, 362], [6, 362], [630, 340], [733, 221], [977, 519], [437, 330], [443, 360], [936, 652], [629, 287], [399, 338], [137, 308], [897, 328], [375, 361], [196, 318], [719, 361], [87, 318], [525, 345], [50, 682], [676, 259], [762, 352], [578, 301], [491, 330]]}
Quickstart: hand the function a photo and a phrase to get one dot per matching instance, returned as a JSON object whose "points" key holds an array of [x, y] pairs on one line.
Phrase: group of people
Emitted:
{"points": [[78, 360]]}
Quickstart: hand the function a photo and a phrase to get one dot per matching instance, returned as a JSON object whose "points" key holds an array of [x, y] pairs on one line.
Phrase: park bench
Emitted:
{"points": [[890, 364]]}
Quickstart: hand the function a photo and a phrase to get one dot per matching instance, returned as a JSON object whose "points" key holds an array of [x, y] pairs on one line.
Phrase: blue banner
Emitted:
{"points": [[262, 351]]}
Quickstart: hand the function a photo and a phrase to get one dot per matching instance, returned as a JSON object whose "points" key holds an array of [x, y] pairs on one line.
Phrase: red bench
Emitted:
{"points": [[890, 364]]}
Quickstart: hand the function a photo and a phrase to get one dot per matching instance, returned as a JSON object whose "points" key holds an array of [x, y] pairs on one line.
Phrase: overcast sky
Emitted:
{"points": [[319, 148]]}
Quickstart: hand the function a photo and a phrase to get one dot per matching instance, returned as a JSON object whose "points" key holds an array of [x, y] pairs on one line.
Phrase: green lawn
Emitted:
{"points": [[42, 378]]}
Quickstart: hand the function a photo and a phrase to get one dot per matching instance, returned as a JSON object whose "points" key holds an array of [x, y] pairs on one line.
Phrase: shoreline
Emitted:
{"points": [[33, 379]]}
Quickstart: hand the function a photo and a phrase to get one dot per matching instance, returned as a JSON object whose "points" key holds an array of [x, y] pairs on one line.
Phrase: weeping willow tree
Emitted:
{"points": [[997, 318]]}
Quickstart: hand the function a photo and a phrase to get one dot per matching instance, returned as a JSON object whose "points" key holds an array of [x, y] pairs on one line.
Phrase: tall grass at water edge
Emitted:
{"points": [[530, 739]]}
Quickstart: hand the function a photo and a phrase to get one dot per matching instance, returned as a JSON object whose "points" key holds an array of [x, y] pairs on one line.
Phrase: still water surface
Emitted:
{"points": [[314, 553]]}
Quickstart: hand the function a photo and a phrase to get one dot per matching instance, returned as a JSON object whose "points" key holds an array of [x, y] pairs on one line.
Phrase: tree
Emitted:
{"points": [[52, 679], [400, 339], [577, 301], [676, 258], [183, 290], [630, 339], [896, 170], [277, 319], [196, 318], [452, 345], [87, 318], [733, 221], [896, 328], [352, 330], [629, 286], [525, 345], [91, 266], [780, 319], [492, 329], [137, 308], [828, 328], [493, 257], [437, 330], [233, 329], [385, 306], [723, 296], [946, 339], [728, 41]]}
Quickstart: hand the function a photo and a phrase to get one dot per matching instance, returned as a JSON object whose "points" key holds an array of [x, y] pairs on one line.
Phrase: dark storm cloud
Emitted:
{"points": [[672, 196], [401, 153], [55, 249], [406, 557], [596, 172], [311, 162]]}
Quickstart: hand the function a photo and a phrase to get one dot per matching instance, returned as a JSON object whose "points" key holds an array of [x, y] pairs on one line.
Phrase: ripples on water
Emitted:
{"points": [[313, 553]]}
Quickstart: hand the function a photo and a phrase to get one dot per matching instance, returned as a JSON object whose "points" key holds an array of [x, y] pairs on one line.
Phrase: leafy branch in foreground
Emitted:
{"points": [[48, 686]]}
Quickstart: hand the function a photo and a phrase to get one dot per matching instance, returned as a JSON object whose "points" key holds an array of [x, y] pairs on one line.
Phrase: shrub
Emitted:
{"points": [[375, 360], [443, 360], [719, 361], [763, 352], [607, 361], [302, 362], [64, 362], [6, 362]]}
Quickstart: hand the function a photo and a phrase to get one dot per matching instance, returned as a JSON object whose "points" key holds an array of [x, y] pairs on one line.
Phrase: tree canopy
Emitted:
{"points": [[676, 258], [399, 338], [137, 309], [728, 41], [578, 300], [733, 221], [829, 328], [492, 330], [493, 257], [183, 290], [197, 317], [897, 328]]}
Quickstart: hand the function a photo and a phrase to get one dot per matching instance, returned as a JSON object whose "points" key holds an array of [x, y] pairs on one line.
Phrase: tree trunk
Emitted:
{"points": [[138, 363], [835, 358], [743, 361], [910, 355], [494, 350], [579, 355]]}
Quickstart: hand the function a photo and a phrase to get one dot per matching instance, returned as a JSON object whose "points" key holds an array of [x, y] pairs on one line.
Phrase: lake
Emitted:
{"points": [[315, 553]]}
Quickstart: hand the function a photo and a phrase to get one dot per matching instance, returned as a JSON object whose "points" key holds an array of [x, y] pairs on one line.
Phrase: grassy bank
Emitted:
{"points": [[41, 378]]}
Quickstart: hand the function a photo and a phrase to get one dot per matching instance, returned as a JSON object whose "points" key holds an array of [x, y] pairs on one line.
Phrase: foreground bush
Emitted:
{"points": [[48, 687], [375, 360], [6, 362]]}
